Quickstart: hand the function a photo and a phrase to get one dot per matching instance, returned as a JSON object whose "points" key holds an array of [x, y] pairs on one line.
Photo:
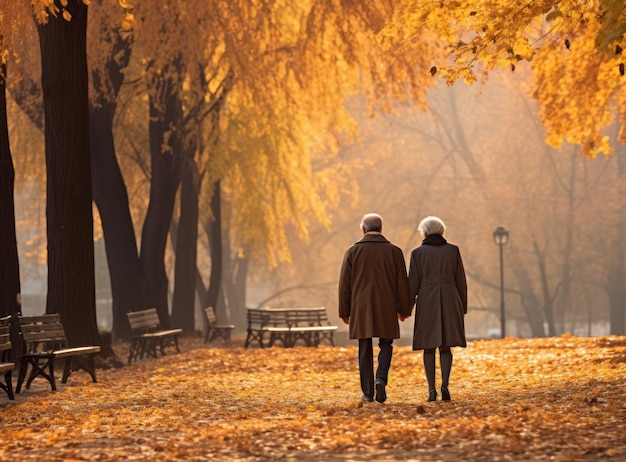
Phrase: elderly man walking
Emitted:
{"points": [[373, 295]]}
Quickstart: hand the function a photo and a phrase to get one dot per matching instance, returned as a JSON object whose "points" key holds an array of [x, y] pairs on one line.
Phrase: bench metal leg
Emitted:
{"points": [[37, 369], [7, 386], [21, 375], [80, 362], [254, 336], [284, 337], [135, 348], [215, 332], [148, 348], [165, 342]]}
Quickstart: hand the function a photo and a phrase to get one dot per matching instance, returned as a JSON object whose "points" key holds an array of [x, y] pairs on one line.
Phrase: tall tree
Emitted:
{"points": [[615, 284], [109, 190], [64, 77], [9, 263], [166, 154], [186, 249]]}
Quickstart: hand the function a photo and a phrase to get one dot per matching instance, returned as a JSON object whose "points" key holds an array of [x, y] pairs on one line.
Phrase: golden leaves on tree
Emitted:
{"points": [[503, 32]]}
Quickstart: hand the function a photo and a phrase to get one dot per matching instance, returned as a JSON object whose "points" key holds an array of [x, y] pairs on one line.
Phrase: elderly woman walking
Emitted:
{"points": [[438, 288]]}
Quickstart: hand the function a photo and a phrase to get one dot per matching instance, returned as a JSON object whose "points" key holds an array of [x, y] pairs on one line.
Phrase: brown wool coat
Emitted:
{"points": [[437, 279], [373, 288]]}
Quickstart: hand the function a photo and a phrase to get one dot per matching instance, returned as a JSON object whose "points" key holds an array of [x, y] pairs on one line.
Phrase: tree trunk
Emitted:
{"points": [[237, 297], [616, 291], [165, 123], [616, 283], [530, 301], [71, 282], [214, 229], [236, 271], [183, 304], [111, 196], [567, 238], [9, 263], [548, 308]]}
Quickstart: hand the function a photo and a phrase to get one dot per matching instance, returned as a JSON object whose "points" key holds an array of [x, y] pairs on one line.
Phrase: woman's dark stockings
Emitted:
{"points": [[445, 359]]}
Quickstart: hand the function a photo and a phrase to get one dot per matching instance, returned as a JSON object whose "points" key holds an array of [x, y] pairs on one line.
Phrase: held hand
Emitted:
{"points": [[346, 320]]}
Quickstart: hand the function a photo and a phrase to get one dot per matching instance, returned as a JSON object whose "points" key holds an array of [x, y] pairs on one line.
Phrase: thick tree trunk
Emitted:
{"points": [[9, 263], [183, 303], [71, 284], [111, 196], [165, 123]]}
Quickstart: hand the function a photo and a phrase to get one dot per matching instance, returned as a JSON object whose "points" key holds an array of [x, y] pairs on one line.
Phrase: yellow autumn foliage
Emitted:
{"points": [[575, 48]]}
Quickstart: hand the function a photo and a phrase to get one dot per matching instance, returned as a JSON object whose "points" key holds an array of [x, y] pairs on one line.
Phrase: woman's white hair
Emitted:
{"points": [[431, 225]]}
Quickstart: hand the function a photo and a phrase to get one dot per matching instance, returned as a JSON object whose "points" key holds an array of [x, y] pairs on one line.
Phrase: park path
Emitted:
{"points": [[514, 399]]}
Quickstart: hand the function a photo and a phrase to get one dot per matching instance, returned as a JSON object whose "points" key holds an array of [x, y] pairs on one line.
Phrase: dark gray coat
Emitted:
{"points": [[437, 280], [373, 288]]}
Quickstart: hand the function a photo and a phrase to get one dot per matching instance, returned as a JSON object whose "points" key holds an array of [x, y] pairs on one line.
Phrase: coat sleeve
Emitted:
{"points": [[415, 280], [345, 286], [402, 282], [461, 282]]}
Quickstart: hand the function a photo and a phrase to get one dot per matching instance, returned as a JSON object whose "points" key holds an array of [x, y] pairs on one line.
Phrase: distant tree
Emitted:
{"points": [[616, 272], [574, 45], [576, 53]]}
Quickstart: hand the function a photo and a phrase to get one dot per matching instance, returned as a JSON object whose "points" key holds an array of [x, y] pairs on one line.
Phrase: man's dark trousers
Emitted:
{"points": [[366, 363]]}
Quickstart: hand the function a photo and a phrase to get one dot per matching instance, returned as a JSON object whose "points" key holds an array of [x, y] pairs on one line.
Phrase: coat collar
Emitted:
{"points": [[434, 239], [373, 237]]}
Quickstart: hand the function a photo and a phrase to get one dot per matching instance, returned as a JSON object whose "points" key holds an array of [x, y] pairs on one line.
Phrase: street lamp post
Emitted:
{"points": [[501, 237]]}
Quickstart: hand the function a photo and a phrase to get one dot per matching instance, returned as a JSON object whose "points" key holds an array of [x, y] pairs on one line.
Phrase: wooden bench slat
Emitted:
{"points": [[76, 351], [162, 333], [4, 367], [40, 318]]}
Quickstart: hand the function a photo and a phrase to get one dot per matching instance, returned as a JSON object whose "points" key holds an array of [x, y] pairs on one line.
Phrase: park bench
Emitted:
{"points": [[215, 330], [44, 342], [288, 326], [6, 366], [147, 337]]}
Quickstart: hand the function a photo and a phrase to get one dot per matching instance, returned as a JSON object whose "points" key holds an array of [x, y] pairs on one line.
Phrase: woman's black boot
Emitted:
{"points": [[432, 395], [445, 394]]}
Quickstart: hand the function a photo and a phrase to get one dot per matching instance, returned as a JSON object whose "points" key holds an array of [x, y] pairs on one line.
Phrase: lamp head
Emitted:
{"points": [[501, 235]]}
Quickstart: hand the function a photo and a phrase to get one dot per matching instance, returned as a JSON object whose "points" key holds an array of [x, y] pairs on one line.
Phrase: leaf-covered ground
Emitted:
{"points": [[515, 399]]}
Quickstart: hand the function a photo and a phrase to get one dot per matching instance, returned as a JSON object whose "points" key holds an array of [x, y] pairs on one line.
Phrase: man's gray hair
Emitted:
{"points": [[431, 225], [372, 222]]}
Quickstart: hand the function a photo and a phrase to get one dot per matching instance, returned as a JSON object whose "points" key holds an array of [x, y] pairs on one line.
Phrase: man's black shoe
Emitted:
{"points": [[381, 395]]}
